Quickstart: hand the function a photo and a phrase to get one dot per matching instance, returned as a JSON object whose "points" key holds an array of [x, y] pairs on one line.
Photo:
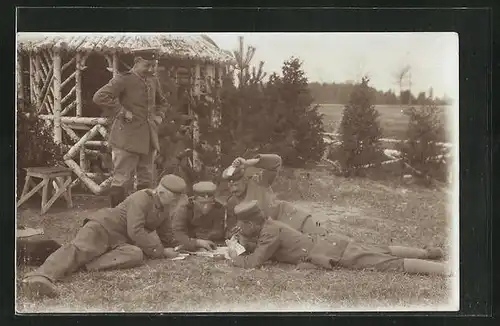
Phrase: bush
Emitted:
{"points": [[422, 151], [360, 130], [35, 143]]}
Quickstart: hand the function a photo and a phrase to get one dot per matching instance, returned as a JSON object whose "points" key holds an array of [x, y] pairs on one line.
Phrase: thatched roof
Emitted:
{"points": [[189, 46]]}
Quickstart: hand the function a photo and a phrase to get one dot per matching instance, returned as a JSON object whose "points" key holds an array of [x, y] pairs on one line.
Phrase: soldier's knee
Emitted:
{"points": [[135, 254]]}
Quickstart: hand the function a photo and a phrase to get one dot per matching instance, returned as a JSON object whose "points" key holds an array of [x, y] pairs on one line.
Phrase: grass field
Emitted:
{"points": [[392, 120], [372, 212]]}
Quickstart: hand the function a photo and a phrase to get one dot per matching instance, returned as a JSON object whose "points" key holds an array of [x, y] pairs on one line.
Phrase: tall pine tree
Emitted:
{"points": [[422, 151], [294, 123], [360, 129]]}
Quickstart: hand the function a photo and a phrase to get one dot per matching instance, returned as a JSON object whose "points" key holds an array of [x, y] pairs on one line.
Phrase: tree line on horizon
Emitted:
{"points": [[339, 93]]}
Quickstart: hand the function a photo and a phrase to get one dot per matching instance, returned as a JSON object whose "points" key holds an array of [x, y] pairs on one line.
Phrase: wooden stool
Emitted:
{"points": [[47, 174]]}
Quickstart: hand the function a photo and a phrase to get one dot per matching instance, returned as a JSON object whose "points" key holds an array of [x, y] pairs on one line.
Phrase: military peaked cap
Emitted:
{"points": [[248, 211], [173, 183], [232, 173], [147, 53], [204, 188]]}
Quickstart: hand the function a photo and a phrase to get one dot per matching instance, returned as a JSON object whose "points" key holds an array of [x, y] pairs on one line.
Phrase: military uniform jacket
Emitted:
{"points": [[279, 242], [135, 218], [131, 92], [259, 188], [188, 224]]}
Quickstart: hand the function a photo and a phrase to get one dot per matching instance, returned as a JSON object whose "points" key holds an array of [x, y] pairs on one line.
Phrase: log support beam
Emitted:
{"points": [[57, 97]]}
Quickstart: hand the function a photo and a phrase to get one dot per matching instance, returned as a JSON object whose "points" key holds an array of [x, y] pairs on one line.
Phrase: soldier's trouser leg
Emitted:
{"points": [[145, 168], [358, 256], [90, 242], [124, 166], [408, 252], [123, 256], [313, 227], [420, 266]]}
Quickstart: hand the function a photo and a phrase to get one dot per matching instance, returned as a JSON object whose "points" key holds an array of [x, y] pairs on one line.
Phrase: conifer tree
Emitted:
{"points": [[360, 129], [422, 151], [295, 124]]}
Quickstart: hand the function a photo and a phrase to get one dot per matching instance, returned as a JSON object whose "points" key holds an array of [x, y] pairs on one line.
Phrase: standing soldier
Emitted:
{"points": [[199, 223], [133, 97], [246, 187], [278, 241], [115, 237]]}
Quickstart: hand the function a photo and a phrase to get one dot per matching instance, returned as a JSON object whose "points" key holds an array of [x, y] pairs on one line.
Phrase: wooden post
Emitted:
{"points": [[37, 72], [219, 72], [79, 104], [196, 86], [196, 129], [57, 97], [32, 80], [116, 64], [77, 120], [78, 85], [19, 75], [218, 110]]}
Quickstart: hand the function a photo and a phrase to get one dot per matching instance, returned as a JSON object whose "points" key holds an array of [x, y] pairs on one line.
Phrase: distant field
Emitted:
{"points": [[392, 119]]}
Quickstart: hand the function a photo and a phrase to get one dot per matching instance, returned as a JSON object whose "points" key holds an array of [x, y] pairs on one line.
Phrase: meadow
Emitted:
{"points": [[372, 212], [392, 119]]}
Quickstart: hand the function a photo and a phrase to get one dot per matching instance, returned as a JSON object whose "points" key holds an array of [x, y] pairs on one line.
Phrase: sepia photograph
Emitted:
{"points": [[237, 172]]}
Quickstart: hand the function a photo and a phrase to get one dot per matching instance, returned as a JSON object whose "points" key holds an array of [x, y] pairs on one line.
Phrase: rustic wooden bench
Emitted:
{"points": [[58, 177]]}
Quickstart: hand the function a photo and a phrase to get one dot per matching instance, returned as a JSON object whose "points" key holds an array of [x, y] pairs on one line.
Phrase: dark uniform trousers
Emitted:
{"points": [[126, 164], [360, 256], [93, 249], [280, 242]]}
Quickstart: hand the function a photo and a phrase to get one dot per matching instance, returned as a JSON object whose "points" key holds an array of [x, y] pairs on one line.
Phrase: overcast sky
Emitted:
{"points": [[337, 57]]}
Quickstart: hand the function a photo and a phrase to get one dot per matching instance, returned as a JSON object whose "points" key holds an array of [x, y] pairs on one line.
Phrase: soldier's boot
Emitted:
{"points": [[434, 253], [408, 252], [116, 195], [420, 266], [39, 286]]}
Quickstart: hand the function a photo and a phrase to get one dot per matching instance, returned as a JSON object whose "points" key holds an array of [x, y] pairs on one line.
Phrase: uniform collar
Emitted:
{"points": [[133, 72], [156, 201]]}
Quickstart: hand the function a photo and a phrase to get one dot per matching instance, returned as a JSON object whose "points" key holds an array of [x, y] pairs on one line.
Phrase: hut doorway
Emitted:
{"points": [[94, 77]]}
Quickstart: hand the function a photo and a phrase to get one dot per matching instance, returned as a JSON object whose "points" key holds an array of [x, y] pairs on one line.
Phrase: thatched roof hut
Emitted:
{"points": [[59, 72], [181, 46]]}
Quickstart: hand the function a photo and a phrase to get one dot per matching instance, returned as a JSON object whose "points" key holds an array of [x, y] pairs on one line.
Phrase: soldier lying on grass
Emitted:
{"points": [[199, 221], [252, 180], [115, 238], [280, 242]]}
